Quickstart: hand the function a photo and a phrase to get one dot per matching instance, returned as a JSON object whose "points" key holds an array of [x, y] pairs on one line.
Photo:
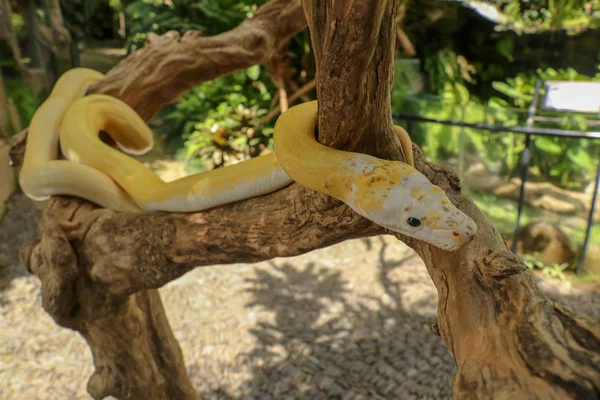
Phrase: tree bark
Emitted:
{"points": [[7, 32], [96, 265], [197, 59]]}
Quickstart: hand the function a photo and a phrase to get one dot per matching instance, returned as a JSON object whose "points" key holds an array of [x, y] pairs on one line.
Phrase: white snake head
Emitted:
{"points": [[401, 199]]}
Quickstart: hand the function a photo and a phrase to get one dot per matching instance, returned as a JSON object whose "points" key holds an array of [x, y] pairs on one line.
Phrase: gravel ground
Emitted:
{"points": [[351, 321]]}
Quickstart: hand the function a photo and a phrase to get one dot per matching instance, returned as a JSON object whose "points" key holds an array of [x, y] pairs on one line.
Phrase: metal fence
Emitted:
{"points": [[530, 132]]}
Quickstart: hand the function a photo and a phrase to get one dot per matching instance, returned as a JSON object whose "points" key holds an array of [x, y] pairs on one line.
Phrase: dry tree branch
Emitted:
{"points": [[295, 96], [302, 91], [278, 69], [194, 58]]}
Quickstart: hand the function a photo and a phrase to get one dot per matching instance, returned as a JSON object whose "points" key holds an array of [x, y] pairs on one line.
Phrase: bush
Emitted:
{"points": [[563, 161], [216, 123], [24, 98], [567, 162], [209, 16]]}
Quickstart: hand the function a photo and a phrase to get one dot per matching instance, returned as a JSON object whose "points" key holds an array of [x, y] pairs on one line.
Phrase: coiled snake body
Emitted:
{"points": [[390, 193]]}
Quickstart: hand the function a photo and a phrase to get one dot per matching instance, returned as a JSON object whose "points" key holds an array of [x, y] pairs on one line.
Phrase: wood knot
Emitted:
{"points": [[498, 265], [30, 257]]}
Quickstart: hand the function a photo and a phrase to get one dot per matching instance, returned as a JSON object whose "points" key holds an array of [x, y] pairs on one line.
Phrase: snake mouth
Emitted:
{"points": [[449, 239]]}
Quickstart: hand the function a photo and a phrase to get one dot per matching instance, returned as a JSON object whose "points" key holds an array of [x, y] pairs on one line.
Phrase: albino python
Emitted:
{"points": [[43, 175], [392, 194]]}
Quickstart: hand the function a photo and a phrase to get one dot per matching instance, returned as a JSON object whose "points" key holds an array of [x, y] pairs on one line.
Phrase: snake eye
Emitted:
{"points": [[414, 222]]}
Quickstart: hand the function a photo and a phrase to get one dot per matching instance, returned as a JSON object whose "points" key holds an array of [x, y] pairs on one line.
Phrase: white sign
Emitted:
{"points": [[576, 96]]}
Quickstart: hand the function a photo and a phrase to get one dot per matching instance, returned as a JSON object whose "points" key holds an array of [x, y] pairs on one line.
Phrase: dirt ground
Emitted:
{"points": [[351, 321]]}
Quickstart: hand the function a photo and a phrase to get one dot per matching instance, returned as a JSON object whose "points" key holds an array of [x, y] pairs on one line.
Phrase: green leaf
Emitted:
{"points": [[253, 72], [580, 157], [462, 93], [506, 89], [548, 145]]}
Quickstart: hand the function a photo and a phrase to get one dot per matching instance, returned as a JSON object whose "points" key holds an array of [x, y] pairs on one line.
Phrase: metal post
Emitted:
{"points": [[525, 162], [74, 50], [588, 231], [461, 148], [526, 155]]}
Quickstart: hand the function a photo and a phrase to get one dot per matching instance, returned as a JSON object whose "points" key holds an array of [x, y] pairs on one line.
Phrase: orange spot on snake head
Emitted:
{"points": [[405, 201], [374, 180]]}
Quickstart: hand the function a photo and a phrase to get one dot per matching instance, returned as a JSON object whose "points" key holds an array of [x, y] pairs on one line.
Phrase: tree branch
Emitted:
{"points": [[126, 253], [295, 96], [166, 68], [354, 74]]}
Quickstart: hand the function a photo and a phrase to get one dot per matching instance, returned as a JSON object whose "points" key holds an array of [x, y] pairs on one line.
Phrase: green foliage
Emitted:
{"points": [[18, 25], [216, 123], [448, 74], [87, 19], [555, 271], [568, 162], [24, 98], [219, 120], [441, 142], [573, 16], [208, 16], [503, 211], [228, 135], [407, 77]]}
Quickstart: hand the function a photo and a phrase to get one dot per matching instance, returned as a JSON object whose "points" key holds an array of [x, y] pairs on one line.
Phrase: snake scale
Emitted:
{"points": [[392, 194]]}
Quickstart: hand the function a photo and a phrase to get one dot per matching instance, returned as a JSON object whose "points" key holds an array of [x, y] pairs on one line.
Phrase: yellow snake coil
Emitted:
{"points": [[392, 194]]}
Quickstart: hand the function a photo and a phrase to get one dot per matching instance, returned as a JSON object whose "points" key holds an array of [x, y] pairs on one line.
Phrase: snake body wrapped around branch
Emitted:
{"points": [[392, 194]]}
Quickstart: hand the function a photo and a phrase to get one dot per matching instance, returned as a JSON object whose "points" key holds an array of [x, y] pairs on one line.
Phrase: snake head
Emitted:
{"points": [[401, 199]]}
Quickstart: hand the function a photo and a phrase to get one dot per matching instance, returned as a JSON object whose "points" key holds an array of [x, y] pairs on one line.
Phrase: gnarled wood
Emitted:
{"points": [[508, 340], [135, 353], [166, 68]]}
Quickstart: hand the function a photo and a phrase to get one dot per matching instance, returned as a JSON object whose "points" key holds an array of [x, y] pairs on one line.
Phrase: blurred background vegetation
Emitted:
{"points": [[472, 61]]}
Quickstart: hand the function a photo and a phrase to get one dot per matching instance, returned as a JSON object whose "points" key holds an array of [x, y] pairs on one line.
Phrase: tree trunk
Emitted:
{"points": [[61, 34], [99, 268], [34, 49], [7, 32], [56, 36]]}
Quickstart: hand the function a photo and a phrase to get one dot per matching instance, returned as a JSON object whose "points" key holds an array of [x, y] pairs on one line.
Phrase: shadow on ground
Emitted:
{"points": [[19, 223], [324, 342]]}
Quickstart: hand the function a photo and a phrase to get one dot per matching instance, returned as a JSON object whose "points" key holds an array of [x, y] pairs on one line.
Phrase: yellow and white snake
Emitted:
{"points": [[392, 194]]}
